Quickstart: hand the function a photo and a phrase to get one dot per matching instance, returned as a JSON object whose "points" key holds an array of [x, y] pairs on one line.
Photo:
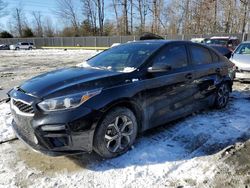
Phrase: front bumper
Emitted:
{"points": [[55, 145], [75, 137]]}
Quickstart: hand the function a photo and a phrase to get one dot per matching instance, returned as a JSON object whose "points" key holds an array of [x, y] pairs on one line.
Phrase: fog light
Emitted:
{"points": [[53, 127]]}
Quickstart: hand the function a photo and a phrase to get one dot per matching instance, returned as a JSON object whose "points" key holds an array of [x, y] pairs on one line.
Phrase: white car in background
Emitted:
{"points": [[241, 59], [199, 40], [22, 45]]}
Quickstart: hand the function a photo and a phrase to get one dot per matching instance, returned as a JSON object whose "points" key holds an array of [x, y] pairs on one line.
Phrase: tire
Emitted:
{"points": [[116, 133], [222, 96], [17, 48]]}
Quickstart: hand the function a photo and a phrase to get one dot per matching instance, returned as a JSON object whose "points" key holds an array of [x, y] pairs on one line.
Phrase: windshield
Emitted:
{"points": [[217, 41], [243, 49], [123, 58]]}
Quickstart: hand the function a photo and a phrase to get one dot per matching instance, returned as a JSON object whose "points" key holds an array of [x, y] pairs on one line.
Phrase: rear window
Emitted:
{"points": [[200, 55]]}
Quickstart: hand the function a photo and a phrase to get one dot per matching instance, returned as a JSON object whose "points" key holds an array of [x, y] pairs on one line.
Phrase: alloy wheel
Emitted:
{"points": [[118, 134], [223, 95]]}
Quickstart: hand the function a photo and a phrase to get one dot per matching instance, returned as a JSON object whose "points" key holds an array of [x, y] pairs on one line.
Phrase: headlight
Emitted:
{"points": [[68, 102]]}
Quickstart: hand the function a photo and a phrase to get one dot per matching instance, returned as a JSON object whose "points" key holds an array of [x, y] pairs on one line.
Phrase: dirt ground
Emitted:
{"points": [[208, 149]]}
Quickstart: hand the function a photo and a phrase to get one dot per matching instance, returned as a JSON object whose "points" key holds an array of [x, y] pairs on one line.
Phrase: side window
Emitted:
{"points": [[200, 55], [214, 56], [174, 55]]}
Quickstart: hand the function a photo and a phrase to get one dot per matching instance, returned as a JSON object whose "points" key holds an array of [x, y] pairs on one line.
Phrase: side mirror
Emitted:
{"points": [[159, 68]]}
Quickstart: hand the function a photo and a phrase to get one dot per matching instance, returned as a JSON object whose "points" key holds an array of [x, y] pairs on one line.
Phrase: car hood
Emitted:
{"points": [[241, 61], [67, 81]]}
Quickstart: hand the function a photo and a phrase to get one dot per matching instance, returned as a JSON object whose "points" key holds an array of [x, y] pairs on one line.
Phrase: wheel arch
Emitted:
{"points": [[227, 79], [127, 103]]}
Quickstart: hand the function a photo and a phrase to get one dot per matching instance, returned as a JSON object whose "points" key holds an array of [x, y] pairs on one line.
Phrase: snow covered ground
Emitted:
{"points": [[6, 132], [186, 153], [207, 149], [17, 66]]}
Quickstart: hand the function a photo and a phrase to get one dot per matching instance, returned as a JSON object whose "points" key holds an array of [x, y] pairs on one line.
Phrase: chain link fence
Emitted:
{"points": [[101, 41]]}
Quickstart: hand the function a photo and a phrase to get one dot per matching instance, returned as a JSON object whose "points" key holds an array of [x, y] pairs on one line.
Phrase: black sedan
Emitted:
{"points": [[115, 95]]}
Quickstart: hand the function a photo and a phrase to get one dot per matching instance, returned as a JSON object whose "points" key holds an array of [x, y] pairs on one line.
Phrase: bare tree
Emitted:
{"points": [[143, 10], [100, 7], [38, 20], [131, 16], [115, 6], [90, 13], [67, 11], [245, 4], [18, 17], [186, 19], [48, 28], [215, 16], [125, 16]]}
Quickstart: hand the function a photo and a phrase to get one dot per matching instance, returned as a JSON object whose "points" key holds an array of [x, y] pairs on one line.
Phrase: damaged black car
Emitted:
{"points": [[105, 103]]}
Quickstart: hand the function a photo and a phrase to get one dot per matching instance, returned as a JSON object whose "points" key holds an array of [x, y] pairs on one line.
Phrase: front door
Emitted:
{"points": [[169, 94]]}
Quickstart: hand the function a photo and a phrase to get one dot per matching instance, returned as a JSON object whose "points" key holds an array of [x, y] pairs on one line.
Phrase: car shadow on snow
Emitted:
{"points": [[201, 134]]}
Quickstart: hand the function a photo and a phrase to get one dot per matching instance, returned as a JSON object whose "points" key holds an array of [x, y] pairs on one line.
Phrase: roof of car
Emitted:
{"points": [[160, 41], [223, 37]]}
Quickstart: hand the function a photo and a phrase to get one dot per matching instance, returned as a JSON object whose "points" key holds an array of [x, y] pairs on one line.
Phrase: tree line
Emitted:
{"points": [[133, 17]]}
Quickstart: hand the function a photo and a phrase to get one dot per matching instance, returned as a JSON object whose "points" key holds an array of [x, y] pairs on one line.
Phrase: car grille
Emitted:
{"points": [[23, 107], [25, 130], [23, 127]]}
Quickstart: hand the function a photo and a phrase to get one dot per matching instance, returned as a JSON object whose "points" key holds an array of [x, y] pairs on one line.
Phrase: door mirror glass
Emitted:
{"points": [[159, 67]]}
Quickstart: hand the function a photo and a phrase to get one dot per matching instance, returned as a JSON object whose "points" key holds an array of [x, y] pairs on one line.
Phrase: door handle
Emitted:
{"points": [[189, 76], [217, 70]]}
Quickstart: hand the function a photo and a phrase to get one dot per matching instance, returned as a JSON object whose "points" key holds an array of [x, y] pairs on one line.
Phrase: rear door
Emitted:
{"points": [[208, 73], [169, 95]]}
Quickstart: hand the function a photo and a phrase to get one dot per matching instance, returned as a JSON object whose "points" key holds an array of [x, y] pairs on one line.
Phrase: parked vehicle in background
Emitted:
{"points": [[150, 36], [222, 50], [241, 59], [4, 47], [23, 46], [118, 93], [199, 40], [115, 44], [229, 42]]}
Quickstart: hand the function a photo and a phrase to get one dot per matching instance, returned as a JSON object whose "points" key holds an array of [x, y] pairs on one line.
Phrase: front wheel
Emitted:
{"points": [[116, 133], [222, 96]]}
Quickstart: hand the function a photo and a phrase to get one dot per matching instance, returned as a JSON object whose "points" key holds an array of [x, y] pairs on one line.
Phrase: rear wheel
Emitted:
{"points": [[222, 96], [116, 133]]}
